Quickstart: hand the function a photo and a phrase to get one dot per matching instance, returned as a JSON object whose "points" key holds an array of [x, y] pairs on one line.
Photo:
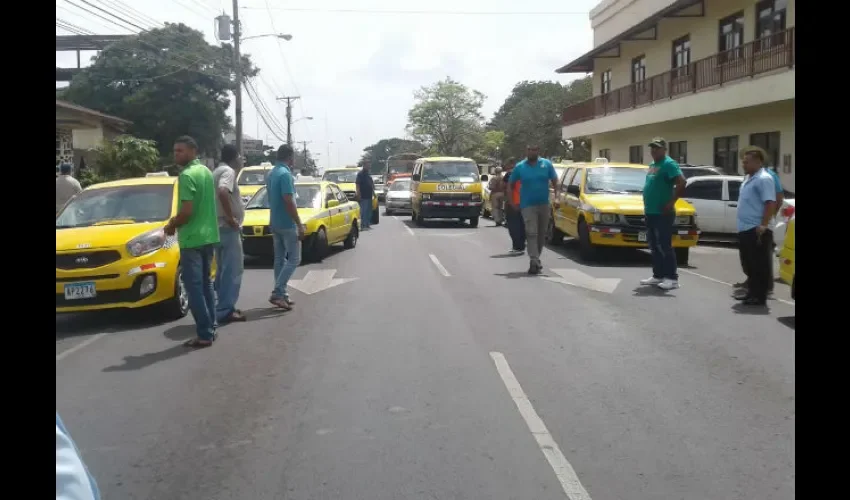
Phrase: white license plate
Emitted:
{"points": [[642, 236], [75, 291]]}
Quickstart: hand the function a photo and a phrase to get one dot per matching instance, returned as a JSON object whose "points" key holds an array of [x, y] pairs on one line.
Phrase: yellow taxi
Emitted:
{"points": [[112, 252], [251, 179], [326, 212], [788, 258], [346, 178], [446, 187], [601, 205]]}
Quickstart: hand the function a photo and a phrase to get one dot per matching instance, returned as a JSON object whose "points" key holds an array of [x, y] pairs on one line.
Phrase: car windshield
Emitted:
{"points": [[306, 196], [615, 180], [118, 205], [400, 185], [450, 171], [693, 172], [341, 176], [253, 177]]}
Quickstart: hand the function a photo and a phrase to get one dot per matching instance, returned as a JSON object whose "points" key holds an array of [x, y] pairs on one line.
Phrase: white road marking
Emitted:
{"points": [[316, 281], [578, 278], [64, 354], [709, 278], [409, 231], [563, 470], [439, 266]]}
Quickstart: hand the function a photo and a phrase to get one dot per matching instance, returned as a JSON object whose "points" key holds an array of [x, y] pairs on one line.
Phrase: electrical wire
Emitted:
{"points": [[423, 12]]}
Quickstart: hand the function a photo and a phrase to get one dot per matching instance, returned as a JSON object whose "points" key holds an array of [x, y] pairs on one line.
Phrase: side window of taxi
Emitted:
{"points": [[565, 180], [339, 195], [329, 195]]}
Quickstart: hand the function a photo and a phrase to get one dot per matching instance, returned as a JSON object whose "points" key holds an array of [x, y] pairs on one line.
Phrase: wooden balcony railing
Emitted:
{"points": [[759, 56]]}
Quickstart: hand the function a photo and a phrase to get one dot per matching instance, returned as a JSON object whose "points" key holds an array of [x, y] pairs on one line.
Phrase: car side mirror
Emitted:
{"points": [[484, 178], [332, 203], [416, 177], [574, 190]]}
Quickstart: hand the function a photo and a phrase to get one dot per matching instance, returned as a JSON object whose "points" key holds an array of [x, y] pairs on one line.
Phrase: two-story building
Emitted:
{"points": [[710, 76]]}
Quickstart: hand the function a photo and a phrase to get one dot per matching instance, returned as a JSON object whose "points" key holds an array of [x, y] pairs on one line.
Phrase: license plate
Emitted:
{"points": [[642, 236], [75, 291]]}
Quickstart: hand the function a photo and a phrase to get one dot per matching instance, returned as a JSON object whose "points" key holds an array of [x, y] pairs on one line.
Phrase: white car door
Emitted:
{"points": [[706, 195], [733, 188]]}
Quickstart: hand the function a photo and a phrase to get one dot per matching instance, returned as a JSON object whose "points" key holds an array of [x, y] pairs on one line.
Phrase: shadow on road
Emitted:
{"points": [[112, 321], [651, 291], [521, 274], [132, 363], [606, 257], [754, 310], [261, 313], [788, 321], [506, 255], [180, 332], [436, 224], [259, 262]]}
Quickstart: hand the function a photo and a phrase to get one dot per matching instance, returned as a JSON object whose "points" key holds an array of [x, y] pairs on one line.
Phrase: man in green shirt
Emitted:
{"points": [[197, 233], [664, 185]]}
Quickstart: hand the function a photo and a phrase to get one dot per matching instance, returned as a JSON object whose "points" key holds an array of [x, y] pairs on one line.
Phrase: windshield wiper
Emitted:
{"points": [[109, 222]]}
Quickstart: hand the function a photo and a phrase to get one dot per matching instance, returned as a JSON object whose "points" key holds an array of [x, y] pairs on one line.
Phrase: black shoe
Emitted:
{"points": [[534, 269]]}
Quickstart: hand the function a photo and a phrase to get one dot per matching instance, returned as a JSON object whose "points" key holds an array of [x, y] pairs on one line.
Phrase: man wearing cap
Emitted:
{"points": [[756, 208], [664, 185]]}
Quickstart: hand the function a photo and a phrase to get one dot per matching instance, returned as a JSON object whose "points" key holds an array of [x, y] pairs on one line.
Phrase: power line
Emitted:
{"points": [[425, 12]]}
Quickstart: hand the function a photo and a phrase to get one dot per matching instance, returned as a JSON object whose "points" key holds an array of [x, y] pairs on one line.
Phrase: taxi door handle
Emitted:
{"points": [[733, 204]]}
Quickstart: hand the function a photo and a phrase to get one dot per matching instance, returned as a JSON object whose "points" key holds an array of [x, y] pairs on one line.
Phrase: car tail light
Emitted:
{"points": [[788, 211]]}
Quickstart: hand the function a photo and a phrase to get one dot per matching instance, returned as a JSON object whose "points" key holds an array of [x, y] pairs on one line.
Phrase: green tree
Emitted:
{"points": [[532, 115], [169, 82], [383, 149], [446, 117], [304, 162], [123, 157]]}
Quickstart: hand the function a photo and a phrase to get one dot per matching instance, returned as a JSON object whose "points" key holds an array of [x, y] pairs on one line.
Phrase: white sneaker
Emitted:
{"points": [[516, 252], [668, 284], [651, 281]]}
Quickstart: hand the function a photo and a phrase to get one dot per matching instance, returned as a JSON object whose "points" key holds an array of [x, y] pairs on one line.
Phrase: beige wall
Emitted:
{"points": [[612, 17], [702, 30], [701, 131]]}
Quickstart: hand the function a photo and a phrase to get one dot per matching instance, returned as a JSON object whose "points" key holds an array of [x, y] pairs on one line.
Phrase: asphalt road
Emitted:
{"points": [[443, 371]]}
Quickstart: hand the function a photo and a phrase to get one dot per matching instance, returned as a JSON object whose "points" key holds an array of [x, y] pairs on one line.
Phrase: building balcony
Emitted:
{"points": [[769, 55]]}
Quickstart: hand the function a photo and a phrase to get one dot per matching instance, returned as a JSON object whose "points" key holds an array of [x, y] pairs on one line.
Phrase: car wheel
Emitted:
{"points": [[320, 246], [473, 222], [388, 212], [554, 236], [351, 241], [178, 306], [682, 256], [586, 250]]}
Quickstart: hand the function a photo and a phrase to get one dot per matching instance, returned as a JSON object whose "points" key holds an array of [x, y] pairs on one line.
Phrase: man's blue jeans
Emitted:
{"points": [[287, 256], [228, 275], [197, 267], [659, 236], [366, 213]]}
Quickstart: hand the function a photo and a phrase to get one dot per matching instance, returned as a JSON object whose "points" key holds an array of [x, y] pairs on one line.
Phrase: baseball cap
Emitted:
{"points": [[658, 142]]}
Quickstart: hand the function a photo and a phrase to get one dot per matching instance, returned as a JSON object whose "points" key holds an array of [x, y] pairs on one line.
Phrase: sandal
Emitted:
{"points": [[236, 316], [197, 343], [281, 303]]}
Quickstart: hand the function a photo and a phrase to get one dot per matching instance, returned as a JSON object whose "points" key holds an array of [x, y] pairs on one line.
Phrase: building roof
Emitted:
{"points": [[646, 29], [90, 112]]}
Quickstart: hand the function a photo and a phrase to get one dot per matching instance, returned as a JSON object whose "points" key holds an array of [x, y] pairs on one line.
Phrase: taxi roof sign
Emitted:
{"points": [[601, 161], [157, 174]]}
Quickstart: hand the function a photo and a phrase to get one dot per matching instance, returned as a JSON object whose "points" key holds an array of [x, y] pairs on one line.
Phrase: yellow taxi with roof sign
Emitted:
{"points": [[251, 179], [446, 187], [112, 251], [601, 205], [329, 217], [346, 179]]}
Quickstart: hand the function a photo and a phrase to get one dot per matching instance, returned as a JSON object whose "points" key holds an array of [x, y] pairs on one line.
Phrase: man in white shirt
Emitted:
{"points": [[66, 186], [228, 255]]}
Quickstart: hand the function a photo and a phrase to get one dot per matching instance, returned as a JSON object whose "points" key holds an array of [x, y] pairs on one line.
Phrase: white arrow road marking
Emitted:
{"points": [[316, 281], [577, 278]]}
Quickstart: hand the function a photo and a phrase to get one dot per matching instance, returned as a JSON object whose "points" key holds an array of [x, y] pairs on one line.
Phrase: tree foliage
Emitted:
{"points": [[304, 162], [169, 82], [532, 115], [383, 149], [446, 117], [123, 157]]}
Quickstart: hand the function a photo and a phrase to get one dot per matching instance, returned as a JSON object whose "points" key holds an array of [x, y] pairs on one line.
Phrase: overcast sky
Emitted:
{"points": [[356, 63]]}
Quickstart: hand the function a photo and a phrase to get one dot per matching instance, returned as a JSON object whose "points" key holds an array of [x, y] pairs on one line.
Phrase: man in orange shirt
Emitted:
{"points": [[513, 216]]}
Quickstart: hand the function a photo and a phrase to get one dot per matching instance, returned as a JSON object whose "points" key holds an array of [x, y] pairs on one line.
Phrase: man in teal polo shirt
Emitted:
{"points": [[664, 185], [535, 175]]}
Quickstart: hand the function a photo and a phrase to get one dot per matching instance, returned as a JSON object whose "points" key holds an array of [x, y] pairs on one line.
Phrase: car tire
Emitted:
{"points": [[178, 306], [484, 212], [554, 236], [353, 234], [376, 217], [320, 246], [419, 220], [586, 250], [682, 256], [473, 221], [388, 212]]}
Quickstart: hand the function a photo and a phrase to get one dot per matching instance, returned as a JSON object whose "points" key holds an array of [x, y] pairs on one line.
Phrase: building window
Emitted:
{"points": [[681, 55], [726, 154], [605, 153], [639, 69], [64, 146], [770, 20], [678, 151], [636, 154], [606, 81], [731, 37], [768, 141]]}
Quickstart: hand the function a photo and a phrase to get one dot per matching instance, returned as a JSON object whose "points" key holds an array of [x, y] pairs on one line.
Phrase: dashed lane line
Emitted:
{"points": [[709, 278], [438, 265], [67, 352]]}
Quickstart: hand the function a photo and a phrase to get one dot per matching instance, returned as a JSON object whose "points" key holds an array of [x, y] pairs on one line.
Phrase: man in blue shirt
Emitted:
{"points": [[287, 230], [365, 190], [756, 208], [535, 175]]}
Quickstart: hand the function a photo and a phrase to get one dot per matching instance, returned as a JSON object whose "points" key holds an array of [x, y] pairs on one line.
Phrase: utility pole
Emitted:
{"points": [[288, 100], [238, 71], [304, 152]]}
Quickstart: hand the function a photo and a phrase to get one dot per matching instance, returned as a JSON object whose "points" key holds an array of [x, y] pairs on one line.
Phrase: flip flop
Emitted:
{"points": [[281, 303], [197, 343], [236, 316]]}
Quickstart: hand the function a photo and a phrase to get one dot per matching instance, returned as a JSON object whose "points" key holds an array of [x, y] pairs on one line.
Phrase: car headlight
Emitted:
{"points": [[684, 220], [476, 197], [426, 196], [609, 218], [148, 242]]}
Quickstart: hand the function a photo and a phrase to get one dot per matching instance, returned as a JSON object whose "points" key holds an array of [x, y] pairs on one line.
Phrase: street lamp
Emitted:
{"points": [[284, 36], [303, 118]]}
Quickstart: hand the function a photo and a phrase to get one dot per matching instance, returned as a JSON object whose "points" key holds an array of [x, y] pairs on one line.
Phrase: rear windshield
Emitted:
{"points": [[253, 177], [400, 185], [450, 171], [341, 176]]}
